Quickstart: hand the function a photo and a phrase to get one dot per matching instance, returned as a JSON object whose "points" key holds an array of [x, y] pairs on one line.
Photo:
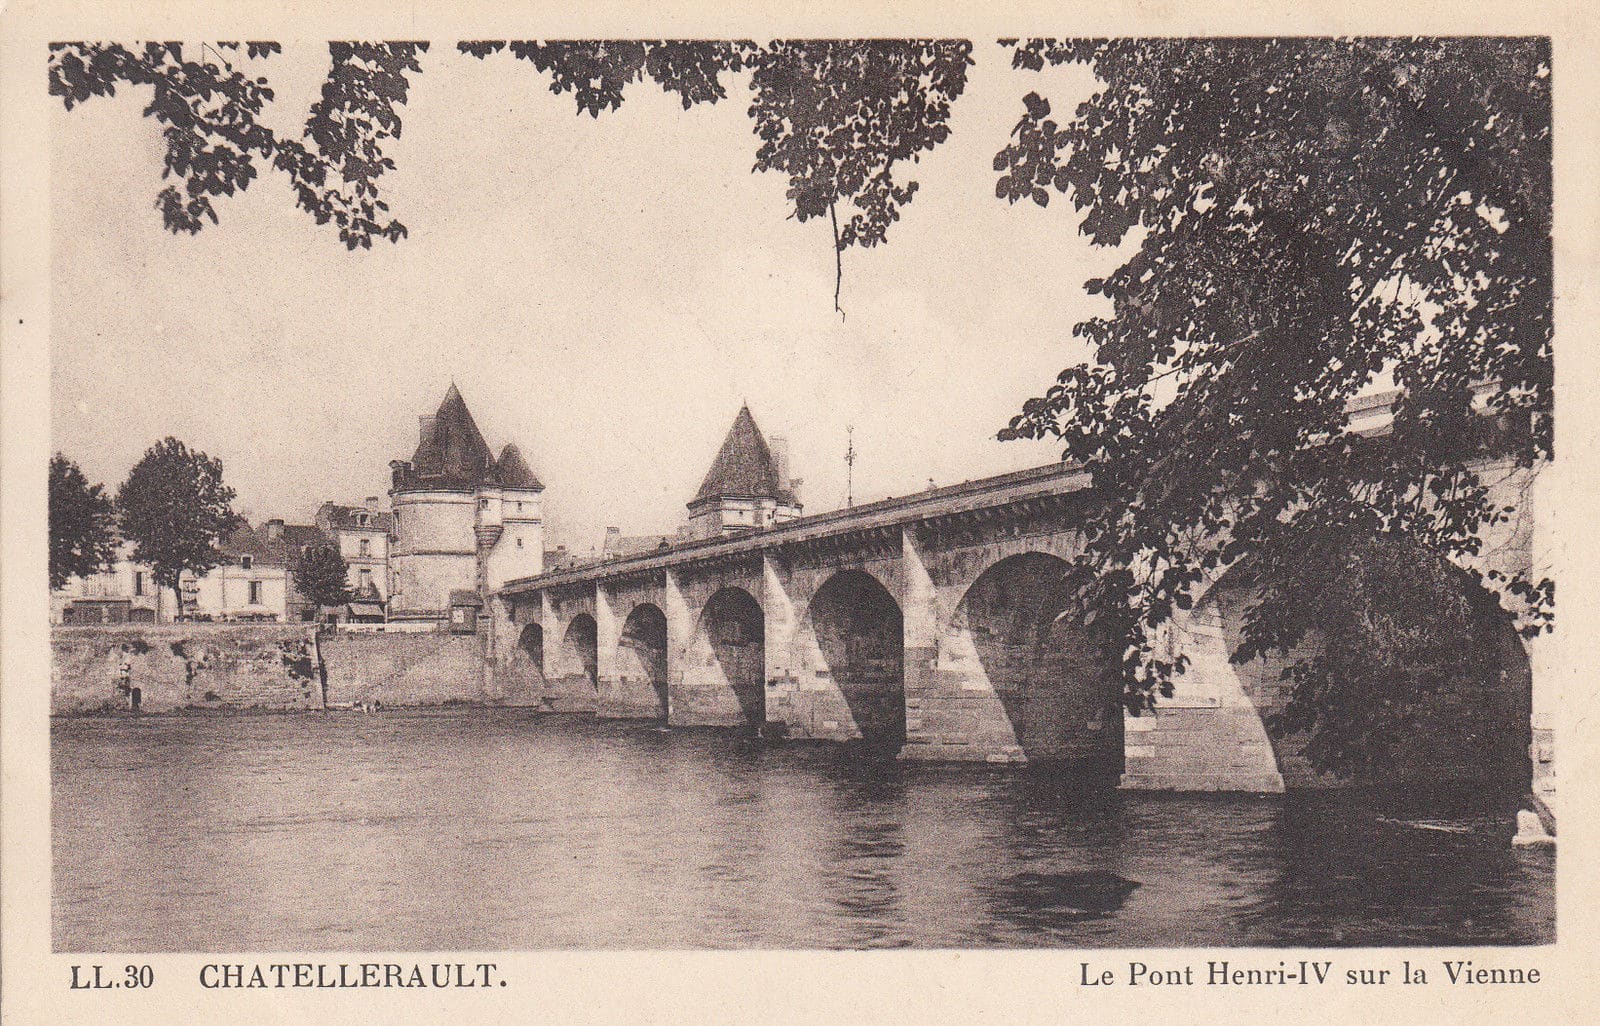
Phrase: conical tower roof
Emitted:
{"points": [[743, 466], [451, 447], [513, 471]]}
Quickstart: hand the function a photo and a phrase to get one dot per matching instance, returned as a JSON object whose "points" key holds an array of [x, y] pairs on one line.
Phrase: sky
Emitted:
{"points": [[604, 292]]}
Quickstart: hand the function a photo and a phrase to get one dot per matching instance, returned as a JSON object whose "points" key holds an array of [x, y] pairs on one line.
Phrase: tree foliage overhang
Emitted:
{"points": [[1308, 216]]}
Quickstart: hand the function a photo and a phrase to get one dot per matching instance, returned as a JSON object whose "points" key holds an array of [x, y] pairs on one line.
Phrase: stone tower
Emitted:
{"points": [[464, 521], [748, 486]]}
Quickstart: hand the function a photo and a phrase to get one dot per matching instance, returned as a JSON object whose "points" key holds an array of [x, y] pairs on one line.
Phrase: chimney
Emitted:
{"points": [[372, 502], [779, 447], [274, 530]]}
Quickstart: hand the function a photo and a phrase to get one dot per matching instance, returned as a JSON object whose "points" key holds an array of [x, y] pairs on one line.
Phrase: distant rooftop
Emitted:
{"points": [[744, 467], [451, 454]]}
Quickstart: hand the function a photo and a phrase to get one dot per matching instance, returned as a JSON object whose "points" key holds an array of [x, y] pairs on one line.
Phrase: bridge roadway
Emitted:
{"points": [[930, 624]]}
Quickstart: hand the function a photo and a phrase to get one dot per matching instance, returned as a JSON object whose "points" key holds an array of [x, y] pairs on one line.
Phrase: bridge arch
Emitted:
{"points": [[861, 637], [1477, 726], [579, 649], [531, 642], [642, 653], [1063, 699], [732, 635]]}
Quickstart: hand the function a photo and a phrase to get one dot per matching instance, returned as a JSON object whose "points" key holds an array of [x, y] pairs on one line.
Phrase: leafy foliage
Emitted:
{"points": [[83, 526], [175, 508], [1310, 215], [210, 112], [322, 575], [833, 116], [347, 128]]}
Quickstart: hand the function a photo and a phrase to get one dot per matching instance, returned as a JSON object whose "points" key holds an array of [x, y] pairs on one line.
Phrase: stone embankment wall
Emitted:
{"points": [[181, 666], [274, 667], [417, 669]]}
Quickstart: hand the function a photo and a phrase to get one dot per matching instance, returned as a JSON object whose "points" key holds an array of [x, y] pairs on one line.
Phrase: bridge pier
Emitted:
{"points": [[1209, 736]]}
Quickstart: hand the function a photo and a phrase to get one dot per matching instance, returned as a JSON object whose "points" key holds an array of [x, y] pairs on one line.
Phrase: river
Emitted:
{"points": [[507, 830]]}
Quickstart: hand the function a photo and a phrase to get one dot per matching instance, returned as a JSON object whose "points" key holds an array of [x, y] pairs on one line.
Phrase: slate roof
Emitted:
{"points": [[743, 466], [451, 448], [337, 516], [513, 471], [452, 455], [264, 550]]}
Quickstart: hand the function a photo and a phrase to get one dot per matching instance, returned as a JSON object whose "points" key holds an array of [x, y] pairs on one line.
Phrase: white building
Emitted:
{"points": [[125, 593]]}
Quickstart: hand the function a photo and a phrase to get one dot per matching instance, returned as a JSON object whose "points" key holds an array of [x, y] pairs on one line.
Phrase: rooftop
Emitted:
{"points": [[743, 467]]}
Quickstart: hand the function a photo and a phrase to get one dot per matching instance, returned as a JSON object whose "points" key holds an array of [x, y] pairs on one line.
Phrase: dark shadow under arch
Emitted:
{"points": [[860, 632], [531, 641], [581, 647], [1479, 729], [642, 652], [1063, 700], [734, 625]]}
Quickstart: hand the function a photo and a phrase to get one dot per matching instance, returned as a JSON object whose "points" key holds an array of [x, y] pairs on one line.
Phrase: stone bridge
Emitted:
{"points": [[930, 625]]}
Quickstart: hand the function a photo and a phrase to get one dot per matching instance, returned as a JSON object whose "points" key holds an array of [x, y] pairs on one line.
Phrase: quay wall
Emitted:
{"points": [[184, 666], [417, 669], [275, 667]]}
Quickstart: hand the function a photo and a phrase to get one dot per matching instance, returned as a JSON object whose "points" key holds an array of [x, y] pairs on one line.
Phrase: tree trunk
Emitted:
{"points": [[177, 595]]}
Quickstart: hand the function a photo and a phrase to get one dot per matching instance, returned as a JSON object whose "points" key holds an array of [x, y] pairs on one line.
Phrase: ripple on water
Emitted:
{"points": [[501, 829]]}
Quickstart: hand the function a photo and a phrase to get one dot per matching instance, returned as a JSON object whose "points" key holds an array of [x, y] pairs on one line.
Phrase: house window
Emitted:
{"points": [[245, 561], [138, 582], [366, 547], [519, 507], [483, 503], [366, 579], [519, 543], [255, 592]]}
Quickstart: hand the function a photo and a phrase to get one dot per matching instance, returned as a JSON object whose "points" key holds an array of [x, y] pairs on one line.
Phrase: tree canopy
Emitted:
{"points": [[83, 527], [835, 117], [321, 575], [175, 509], [1311, 217]]}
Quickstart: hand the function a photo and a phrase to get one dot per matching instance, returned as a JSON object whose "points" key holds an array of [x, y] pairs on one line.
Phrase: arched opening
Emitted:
{"points": [[642, 654], [860, 633], [732, 623], [580, 648], [1429, 679], [531, 642], [1063, 699]]}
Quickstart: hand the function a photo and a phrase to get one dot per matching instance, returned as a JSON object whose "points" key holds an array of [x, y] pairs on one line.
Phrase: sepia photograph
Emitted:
{"points": [[643, 496], [800, 494]]}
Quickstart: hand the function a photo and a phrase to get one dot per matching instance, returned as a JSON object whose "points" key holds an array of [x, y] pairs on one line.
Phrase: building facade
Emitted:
{"points": [[463, 520], [254, 580], [126, 593]]}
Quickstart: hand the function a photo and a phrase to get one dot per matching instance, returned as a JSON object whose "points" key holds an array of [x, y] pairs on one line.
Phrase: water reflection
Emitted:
{"points": [[510, 830]]}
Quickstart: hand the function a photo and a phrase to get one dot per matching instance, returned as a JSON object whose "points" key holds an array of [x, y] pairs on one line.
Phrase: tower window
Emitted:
{"points": [[255, 593], [519, 543], [366, 547], [246, 561]]}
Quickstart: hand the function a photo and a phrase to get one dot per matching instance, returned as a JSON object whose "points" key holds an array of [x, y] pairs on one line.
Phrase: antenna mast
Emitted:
{"points": [[850, 466]]}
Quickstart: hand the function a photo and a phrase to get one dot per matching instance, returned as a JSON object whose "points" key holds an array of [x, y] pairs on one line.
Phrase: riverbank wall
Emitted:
{"points": [[185, 666], [275, 667]]}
